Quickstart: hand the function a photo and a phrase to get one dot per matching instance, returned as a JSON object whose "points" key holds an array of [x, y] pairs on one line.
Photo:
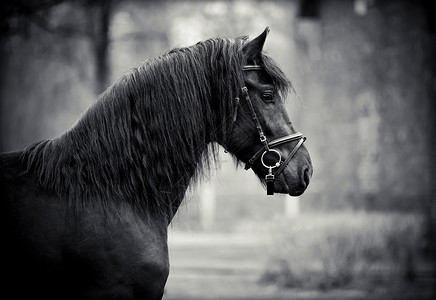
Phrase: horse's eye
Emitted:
{"points": [[267, 96]]}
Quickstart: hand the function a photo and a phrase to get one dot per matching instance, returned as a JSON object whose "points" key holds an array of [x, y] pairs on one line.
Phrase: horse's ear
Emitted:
{"points": [[253, 48]]}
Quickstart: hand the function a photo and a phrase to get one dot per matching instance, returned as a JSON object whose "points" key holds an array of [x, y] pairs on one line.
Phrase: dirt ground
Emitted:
{"points": [[228, 266]]}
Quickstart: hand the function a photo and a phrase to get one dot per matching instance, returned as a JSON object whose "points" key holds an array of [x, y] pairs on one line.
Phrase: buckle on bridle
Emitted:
{"points": [[269, 178]]}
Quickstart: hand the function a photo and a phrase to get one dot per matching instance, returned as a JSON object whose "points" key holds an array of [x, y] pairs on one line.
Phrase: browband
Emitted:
{"points": [[251, 68]]}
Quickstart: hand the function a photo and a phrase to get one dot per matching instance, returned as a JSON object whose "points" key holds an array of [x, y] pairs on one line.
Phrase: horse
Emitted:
{"points": [[85, 215]]}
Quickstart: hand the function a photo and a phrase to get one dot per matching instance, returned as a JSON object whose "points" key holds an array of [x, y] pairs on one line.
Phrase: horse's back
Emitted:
{"points": [[15, 185], [11, 171], [53, 251]]}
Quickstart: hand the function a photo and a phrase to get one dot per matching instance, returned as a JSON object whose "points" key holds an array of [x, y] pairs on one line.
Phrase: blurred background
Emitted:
{"points": [[364, 78]]}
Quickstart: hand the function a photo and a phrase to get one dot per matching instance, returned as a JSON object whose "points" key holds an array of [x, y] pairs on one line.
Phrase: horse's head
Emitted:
{"points": [[262, 134]]}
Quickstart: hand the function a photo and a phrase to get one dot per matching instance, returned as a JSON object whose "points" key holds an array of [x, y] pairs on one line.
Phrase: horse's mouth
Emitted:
{"points": [[293, 192], [296, 193], [286, 183]]}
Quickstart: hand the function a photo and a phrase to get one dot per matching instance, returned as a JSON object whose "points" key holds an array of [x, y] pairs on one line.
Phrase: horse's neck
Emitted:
{"points": [[149, 167]]}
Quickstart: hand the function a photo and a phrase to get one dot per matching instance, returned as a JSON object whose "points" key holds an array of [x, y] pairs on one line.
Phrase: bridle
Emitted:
{"points": [[267, 145]]}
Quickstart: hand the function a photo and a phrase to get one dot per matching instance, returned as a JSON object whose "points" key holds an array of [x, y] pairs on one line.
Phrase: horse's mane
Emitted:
{"points": [[154, 122]]}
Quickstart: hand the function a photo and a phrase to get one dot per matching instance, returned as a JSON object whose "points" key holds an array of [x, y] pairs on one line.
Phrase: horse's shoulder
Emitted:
{"points": [[127, 256]]}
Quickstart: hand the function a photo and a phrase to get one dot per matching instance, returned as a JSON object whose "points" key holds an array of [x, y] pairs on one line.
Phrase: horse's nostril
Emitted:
{"points": [[306, 176]]}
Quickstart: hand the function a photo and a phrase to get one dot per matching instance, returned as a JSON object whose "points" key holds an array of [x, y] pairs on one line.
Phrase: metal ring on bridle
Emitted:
{"points": [[277, 164]]}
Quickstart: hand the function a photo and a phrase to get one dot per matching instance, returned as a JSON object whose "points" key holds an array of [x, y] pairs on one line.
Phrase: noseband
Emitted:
{"points": [[268, 145]]}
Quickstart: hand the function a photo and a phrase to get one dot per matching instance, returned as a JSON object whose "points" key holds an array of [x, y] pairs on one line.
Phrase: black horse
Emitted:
{"points": [[85, 215]]}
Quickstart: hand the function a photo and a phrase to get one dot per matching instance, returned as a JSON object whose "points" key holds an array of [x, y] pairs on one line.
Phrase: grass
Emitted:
{"points": [[343, 250]]}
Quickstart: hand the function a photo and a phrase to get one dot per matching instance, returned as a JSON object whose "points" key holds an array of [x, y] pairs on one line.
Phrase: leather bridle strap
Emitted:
{"points": [[267, 146], [286, 139], [252, 68], [285, 163], [262, 135]]}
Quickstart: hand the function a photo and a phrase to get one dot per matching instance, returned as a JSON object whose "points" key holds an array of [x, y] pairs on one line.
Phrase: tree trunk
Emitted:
{"points": [[100, 15]]}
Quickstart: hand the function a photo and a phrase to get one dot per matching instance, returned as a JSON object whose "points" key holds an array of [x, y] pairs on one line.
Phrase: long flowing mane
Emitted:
{"points": [[146, 136]]}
